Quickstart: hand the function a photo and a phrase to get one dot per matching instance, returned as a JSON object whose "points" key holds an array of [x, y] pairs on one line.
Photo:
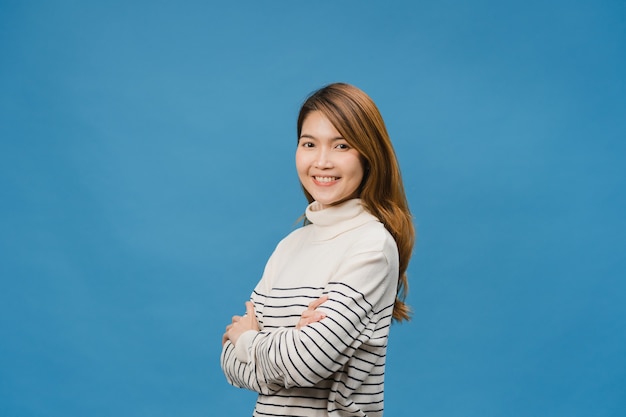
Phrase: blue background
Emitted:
{"points": [[146, 173]]}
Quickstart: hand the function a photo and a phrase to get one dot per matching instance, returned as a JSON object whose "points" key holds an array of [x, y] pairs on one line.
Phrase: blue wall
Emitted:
{"points": [[146, 172]]}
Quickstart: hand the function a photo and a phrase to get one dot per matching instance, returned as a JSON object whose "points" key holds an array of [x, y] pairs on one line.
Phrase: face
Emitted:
{"points": [[328, 167]]}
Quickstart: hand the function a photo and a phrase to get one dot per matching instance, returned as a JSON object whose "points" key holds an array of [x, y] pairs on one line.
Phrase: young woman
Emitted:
{"points": [[314, 337]]}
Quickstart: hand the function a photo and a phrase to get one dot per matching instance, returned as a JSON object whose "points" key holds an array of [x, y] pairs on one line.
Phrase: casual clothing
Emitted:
{"points": [[334, 367]]}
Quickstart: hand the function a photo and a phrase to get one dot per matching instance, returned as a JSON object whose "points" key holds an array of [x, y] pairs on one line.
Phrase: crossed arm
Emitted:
{"points": [[280, 357], [241, 324]]}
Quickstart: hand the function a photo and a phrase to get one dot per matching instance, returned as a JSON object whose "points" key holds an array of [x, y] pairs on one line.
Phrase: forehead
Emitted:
{"points": [[317, 125]]}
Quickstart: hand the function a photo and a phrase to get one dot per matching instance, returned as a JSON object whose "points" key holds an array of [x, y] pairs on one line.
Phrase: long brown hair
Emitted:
{"points": [[358, 120]]}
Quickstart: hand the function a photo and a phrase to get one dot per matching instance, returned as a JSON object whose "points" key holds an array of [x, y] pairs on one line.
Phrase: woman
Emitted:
{"points": [[347, 264]]}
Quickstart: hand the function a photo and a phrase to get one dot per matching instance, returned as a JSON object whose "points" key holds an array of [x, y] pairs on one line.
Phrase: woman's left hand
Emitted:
{"points": [[241, 324], [311, 315]]}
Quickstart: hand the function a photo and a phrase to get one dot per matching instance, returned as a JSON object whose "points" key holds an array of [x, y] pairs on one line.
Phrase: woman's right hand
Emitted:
{"points": [[241, 324], [310, 315]]}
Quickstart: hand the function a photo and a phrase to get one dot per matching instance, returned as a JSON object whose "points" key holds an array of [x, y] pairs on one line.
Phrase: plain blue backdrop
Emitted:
{"points": [[146, 174]]}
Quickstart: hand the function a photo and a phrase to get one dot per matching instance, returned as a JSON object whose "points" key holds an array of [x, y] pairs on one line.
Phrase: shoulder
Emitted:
{"points": [[374, 237]]}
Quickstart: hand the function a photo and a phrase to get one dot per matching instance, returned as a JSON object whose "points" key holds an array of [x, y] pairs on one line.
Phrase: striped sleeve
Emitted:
{"points": [[241, 374], [358, 296]]}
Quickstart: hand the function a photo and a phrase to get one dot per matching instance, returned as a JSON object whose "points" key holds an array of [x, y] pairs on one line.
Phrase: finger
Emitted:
{"points": [[313, 317], [301, 323], [318, 316], [249, 308], [309, 319], [315, 304]]}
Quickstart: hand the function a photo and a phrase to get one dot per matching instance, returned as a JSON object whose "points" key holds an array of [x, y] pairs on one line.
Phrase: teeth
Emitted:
{"points": [[325, 179]]}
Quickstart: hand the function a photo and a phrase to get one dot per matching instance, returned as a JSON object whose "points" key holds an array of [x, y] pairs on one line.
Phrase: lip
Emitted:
{"points": [[325, 183]]}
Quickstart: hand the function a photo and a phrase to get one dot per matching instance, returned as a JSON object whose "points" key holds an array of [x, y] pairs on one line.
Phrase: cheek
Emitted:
{"points": [[301, 163], [357, 170]]}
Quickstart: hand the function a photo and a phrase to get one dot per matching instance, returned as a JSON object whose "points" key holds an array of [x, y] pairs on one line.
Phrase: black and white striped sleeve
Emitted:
{"points": [[242, 374], [361, 293]]}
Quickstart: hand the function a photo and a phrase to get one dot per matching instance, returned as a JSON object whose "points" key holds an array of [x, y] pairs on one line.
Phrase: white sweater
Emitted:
{"points": [[334, 367]]}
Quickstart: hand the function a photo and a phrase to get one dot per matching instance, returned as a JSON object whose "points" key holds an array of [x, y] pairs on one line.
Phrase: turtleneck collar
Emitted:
{"points": [[332, 221]]}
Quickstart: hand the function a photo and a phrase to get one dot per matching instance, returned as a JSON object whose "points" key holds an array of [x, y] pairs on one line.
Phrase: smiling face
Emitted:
{"points": [[328, 167]]}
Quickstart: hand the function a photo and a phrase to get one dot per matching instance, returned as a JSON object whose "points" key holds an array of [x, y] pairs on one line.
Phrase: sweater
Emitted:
{"points": [[334, 367]]}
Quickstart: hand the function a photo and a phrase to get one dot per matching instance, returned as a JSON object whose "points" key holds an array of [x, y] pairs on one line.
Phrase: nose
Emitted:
{"points": [[322, 159]]}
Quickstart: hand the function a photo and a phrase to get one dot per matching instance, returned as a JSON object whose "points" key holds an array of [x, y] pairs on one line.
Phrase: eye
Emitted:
{"points": [[306, 144], [342, 146]]}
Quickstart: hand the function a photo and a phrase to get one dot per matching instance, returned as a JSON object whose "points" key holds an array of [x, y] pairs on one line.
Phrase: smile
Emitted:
{"points": [[325, 179]]}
